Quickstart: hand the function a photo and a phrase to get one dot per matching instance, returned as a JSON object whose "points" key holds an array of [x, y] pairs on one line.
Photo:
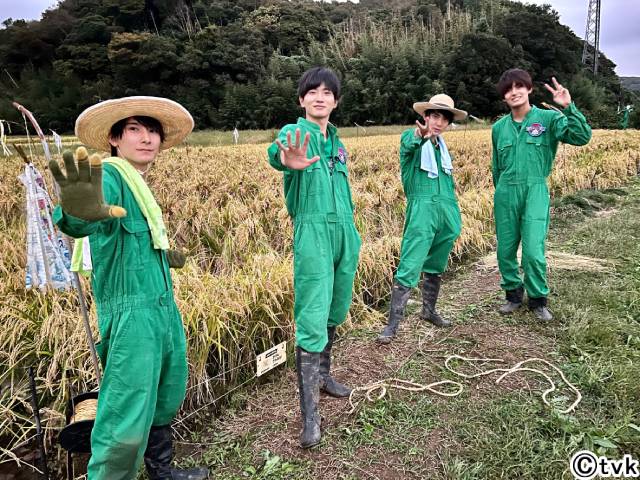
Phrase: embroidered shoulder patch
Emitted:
{"points": [[342, 155]]}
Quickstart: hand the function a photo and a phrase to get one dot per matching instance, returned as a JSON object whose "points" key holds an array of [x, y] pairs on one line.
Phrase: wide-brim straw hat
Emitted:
{"points": [[440, 102], [94, 124]]}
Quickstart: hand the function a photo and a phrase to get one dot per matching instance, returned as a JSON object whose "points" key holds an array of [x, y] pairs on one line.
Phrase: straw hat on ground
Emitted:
{"points": [[94, 124], [440, 102]]}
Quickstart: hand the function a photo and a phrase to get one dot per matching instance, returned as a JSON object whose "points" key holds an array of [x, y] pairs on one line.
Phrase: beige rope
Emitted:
{"points": [[85, 410], [518, 367], [381, 386], [400, 384]]}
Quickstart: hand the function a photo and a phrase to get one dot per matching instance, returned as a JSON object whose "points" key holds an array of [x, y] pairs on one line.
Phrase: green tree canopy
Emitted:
{"points": [[236, 63]]}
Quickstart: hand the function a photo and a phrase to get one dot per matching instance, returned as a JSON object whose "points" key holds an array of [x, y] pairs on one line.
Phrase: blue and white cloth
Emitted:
{"points": [[48, 259], [428, 158]]}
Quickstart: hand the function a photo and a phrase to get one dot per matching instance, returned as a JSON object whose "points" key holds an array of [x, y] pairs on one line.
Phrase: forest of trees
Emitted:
{"points": [[236, 63], [631, 83]]}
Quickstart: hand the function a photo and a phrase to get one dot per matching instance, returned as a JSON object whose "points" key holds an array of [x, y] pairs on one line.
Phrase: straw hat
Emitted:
{"points": [[440, 102], [94, 124]]}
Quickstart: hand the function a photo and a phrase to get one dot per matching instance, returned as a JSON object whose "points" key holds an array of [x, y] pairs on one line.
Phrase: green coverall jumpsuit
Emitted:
{"points": [[143, 346], [326, 244], [523, 156], [432, 222]]}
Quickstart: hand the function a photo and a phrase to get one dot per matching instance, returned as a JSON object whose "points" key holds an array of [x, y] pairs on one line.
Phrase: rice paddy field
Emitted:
{"points": [[224, 204]]}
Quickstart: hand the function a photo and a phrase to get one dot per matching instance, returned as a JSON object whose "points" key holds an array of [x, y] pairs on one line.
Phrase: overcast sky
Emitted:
{"points": [[619, 30]]}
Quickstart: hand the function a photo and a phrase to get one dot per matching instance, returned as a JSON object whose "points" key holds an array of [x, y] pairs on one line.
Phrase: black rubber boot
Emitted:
{"points": [[399, 298], [157, 458], [308, 367], [327, 383], [430, 292], [539, 308], [514, 301]]}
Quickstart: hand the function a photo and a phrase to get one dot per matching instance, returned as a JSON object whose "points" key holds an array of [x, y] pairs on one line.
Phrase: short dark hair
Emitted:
{"points": [[514, 75], [445, 113], [117, 129], [316, 76]]}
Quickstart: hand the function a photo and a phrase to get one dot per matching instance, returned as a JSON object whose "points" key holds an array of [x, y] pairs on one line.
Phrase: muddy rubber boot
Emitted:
{"points": [[308, 369], [399, 298], [327, 383], [430, 292], [539, 308], [514, 301], [157, 458]]}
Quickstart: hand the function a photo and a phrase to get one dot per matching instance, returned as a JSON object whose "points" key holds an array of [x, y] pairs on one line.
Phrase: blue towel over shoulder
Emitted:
{"points": [[428, 158]]}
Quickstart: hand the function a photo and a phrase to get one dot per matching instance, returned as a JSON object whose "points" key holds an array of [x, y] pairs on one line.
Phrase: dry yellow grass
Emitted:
{"points": [[225, 205]]}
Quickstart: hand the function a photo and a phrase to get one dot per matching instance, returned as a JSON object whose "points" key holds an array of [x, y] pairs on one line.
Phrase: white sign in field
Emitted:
{"points": [[271, 358]]}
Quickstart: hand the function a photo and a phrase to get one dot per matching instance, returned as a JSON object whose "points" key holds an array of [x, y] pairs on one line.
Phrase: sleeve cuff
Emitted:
{"points": [[412, 141], [273, 153], [571, 108], [63, 219], [58, 214]]}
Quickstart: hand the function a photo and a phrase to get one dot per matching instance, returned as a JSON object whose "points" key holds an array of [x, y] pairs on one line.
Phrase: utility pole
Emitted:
{"points": [[591, 48]]}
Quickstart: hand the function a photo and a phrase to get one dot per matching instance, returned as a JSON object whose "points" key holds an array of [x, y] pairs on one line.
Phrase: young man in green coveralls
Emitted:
{"points": [[143, 347], [326, 243], [432, 221], [524, 148]]}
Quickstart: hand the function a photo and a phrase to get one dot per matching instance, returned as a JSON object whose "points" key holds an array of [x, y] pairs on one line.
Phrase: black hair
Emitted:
{"points": [[445, 113], [316, 76], [117, 129], [515, 75]]}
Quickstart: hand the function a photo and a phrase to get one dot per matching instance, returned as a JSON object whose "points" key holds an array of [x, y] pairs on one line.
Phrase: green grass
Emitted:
{"points": [[588, 202], [597, 333], [232, 458]]}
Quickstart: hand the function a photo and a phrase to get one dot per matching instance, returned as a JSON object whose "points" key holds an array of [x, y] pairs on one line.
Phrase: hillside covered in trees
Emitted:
{"points": [[236, 63], [631, 83]]}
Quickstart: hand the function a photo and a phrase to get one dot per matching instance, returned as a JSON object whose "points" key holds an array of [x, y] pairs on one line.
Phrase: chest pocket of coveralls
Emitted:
{"points": [[314, 176], [505, 150], [536, 147], [342, 183], [137, 242]]}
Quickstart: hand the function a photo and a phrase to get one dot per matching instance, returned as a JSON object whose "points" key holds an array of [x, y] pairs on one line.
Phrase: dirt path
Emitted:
{"points": [[469, 297]]}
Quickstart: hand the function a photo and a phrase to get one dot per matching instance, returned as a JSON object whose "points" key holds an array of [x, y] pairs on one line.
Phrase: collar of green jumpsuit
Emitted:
{"points": [[526, 117], [308, 124]]}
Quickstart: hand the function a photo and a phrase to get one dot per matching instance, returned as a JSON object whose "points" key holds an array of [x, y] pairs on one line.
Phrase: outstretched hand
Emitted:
{"points": [[423, 130], [81, 189], [294, 156], [560, 94]]}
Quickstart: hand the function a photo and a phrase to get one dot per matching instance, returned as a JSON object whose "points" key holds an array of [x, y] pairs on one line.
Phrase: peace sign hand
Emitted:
{"points": [[294, 156], [81, 189], [560, 94], [423, 131]]}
